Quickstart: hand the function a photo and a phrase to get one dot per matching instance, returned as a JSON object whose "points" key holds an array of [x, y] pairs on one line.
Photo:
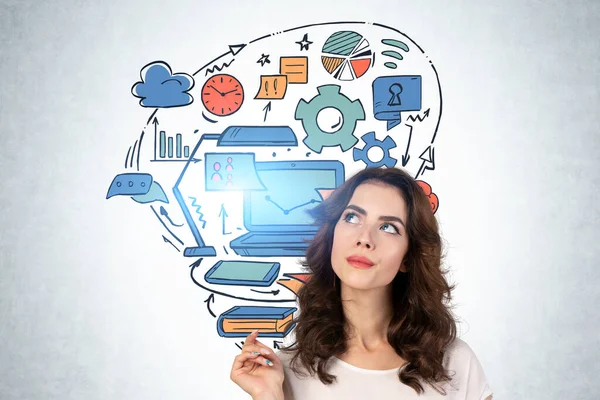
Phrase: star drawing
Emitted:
{"points": [[304, 43], [264, 59]]}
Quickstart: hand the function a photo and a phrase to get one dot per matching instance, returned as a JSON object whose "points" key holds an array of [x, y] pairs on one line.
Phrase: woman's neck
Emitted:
{"points": [[368, 315]]}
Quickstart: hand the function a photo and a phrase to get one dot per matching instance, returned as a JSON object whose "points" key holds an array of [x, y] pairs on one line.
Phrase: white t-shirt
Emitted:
{"points": [[468, 382]]}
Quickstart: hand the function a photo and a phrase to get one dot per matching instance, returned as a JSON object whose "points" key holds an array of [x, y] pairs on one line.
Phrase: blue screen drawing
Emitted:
{"points": [[277, 218]]}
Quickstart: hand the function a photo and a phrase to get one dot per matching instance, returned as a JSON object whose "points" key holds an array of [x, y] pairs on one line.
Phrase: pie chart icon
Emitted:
{"points": [[346, 55]]}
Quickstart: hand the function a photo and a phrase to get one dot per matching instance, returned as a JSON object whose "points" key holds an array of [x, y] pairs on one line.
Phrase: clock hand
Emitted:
{"points": [[231, 91], [211, 86]]}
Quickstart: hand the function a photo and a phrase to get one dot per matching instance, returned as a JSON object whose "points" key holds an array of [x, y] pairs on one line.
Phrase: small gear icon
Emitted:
{"points": [[385, 145], [329, 97]]}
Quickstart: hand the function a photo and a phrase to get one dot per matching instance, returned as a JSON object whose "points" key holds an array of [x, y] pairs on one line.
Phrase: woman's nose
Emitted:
{"points": [[365, 239]]}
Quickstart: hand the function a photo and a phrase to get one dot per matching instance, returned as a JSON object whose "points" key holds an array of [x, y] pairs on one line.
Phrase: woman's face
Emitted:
{"points": [[370, 239]]}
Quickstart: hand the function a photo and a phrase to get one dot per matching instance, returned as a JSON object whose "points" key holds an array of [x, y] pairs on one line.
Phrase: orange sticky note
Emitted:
{"points": [[272, 87], [296, 69]]}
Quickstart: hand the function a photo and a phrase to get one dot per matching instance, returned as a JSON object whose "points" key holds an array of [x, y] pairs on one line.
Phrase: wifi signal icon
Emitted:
{"points": [[394, 54]]}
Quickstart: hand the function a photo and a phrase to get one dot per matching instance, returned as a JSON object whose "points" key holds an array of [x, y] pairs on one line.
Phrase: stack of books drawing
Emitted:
{"points": [[240, 321]]}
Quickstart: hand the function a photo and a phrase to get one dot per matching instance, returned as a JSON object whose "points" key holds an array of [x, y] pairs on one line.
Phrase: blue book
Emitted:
{"points": [[240, 321]]}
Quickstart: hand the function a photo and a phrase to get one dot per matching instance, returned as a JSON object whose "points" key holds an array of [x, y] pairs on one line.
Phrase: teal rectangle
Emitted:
{"points": [[163, 147], [242, 270], [178, 145], [243, 273]]}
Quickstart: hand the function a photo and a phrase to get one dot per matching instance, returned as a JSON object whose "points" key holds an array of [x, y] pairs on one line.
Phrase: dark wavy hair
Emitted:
{"points": [[422, 326]]}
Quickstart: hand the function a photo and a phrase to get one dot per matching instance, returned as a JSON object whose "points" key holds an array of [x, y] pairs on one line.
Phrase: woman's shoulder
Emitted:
{"points": [[460, 351], [459, 348], [459, 354], [464, 366]]}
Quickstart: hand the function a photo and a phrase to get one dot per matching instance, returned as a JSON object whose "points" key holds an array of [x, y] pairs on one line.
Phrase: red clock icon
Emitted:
{"points": [[222, 94]]}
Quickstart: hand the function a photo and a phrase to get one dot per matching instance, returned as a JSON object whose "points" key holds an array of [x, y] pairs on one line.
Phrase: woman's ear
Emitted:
{"points": [[403, 266]]}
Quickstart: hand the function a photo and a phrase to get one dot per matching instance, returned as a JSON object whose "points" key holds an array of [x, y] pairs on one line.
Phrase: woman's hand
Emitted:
{"points": [[257, 370]]}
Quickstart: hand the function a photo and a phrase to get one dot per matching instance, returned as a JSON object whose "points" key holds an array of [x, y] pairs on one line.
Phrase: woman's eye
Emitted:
{"points": [[389, 228], [351, 217]]}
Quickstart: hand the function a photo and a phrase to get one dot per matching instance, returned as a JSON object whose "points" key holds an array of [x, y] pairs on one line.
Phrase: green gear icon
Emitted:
{"points": [[329, 96]]}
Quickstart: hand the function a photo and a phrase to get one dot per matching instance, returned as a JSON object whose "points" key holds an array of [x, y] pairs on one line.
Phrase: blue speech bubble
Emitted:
{"points": [[129, 184], [156, 193]]}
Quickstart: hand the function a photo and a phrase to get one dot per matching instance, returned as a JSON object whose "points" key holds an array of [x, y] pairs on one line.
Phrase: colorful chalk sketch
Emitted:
{"points": [[282, 120]]}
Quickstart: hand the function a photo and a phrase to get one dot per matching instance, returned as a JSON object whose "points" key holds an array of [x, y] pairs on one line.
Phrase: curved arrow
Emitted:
{"points": [[165, 214], [210, 299]]}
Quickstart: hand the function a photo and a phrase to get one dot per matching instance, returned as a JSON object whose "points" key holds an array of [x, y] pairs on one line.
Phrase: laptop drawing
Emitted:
{"points": [[276, 218]]}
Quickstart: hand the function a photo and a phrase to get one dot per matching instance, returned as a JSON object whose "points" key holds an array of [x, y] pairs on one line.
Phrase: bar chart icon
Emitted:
{"points": [[170, 148]]}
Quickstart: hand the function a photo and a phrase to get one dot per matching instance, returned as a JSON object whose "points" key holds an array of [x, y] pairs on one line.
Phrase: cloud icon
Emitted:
{"points": [[159, 87]]}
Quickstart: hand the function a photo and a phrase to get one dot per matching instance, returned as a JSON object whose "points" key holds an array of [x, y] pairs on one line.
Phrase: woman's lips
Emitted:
{"points": [[359, 262]]}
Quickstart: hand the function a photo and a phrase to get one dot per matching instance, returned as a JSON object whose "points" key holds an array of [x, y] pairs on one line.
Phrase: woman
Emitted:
{"points": [[374, 320]]}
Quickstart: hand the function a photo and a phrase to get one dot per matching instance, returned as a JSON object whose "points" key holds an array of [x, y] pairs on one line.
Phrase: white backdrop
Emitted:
{"points": [[95, 305]]}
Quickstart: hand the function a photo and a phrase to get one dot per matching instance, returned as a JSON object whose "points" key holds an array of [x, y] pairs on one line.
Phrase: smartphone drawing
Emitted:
{"points": [[243, 273]]}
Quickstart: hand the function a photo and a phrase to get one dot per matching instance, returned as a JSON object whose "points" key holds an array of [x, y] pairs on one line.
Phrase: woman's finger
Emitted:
{"points": [[240, 359], [260, 349], [261, 343], [251, 339], [262, 360]]}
